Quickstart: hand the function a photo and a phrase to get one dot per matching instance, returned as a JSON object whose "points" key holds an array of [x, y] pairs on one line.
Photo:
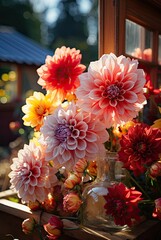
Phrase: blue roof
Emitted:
{"points": [[17, 48]]}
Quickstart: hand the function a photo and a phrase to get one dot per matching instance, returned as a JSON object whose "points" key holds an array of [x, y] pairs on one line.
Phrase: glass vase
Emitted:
{"points": [[93, 211]]}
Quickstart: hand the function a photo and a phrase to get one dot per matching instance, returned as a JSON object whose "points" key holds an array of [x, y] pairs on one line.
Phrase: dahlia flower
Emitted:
{"points": [[60, 72], [122, 204], [37, 107], [70, 134], [31, 176], [140, 148], [112, 89]]}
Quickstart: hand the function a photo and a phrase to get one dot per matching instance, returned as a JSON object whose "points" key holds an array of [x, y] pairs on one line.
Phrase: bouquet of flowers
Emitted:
{"points": [[80, 115]]}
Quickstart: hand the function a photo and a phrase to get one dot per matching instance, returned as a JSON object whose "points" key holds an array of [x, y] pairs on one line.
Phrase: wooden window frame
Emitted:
{"points": [[112, 17]]}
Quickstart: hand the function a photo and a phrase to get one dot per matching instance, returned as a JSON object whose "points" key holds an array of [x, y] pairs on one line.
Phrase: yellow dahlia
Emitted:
{"points": [[37, 107]]}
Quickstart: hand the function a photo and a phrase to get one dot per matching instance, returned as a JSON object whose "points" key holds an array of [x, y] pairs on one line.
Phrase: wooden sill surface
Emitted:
{"points": [[147, 230]]}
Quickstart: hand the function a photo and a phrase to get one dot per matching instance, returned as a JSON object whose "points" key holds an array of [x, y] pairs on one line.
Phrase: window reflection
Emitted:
{"points": [[138, 41]]}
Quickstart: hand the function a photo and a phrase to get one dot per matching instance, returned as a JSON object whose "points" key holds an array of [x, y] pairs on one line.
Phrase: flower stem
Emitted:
{"points": [[39, 227], [40, 233], [140, 187]]}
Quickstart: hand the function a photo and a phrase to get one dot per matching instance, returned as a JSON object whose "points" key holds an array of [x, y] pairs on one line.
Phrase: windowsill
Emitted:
{"points": [[146, 230]]}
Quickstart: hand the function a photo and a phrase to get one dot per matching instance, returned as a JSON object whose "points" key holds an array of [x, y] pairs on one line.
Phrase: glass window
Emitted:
{"points": [[8, 84], [138, 41]]}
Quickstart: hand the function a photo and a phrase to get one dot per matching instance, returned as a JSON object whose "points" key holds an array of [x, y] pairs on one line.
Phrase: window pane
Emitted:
{"points": [[138, 41], [8, 84]]}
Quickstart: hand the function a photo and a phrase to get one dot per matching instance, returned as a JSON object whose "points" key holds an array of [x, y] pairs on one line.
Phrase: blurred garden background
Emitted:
{"points": [[30, 30]]}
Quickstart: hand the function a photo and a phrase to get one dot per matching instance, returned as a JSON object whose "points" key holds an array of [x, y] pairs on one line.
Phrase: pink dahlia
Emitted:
{"points": [[122, 204], [70, 134], [140, 148], [112, 89], [31, 176], [60, 72]]}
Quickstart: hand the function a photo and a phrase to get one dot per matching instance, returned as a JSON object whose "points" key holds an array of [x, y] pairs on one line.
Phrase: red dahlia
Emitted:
{"points": [[140, 148], [122, 204]]}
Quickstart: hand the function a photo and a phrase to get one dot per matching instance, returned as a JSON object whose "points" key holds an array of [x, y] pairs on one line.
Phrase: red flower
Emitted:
{"points": [[54, 228], [61, 71], [140, 148], [122, 204], [150, 89]]}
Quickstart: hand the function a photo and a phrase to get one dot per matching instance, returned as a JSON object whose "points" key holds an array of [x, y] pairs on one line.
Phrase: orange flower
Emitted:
{"points": [[37, 107], [122, 129], [72, 202], [49, 204], [81, 165], [72, 180], [61, 71], [92, 168]]}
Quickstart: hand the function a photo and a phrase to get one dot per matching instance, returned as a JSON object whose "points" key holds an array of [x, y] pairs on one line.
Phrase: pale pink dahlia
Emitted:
{"points": [[112, 89], [70, 134], [31, 176]]}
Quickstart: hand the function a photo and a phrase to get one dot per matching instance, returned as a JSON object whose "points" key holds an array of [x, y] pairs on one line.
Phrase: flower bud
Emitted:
{"points": [[157, 211], [81, 165], [72, 202], [92, 168], [49, 204], [72, 180], [54, 227], [34, 205], [155, 170], [28, 225]]}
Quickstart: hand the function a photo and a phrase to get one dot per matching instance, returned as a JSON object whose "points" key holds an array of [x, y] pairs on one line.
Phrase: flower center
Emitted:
{"points": [[120, 207], [112, 91], [62, 132], [141, 147], [62, 74], [40, 110]]}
